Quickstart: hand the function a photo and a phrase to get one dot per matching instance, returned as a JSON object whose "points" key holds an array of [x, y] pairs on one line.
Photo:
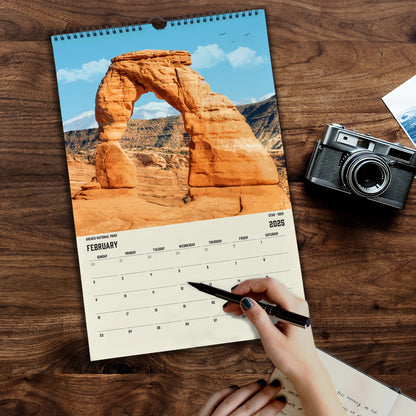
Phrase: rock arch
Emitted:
{"points": [[223, 151]]}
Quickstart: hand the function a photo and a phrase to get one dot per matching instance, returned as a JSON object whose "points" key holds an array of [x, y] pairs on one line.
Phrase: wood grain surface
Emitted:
{"points": [[333, 61]]}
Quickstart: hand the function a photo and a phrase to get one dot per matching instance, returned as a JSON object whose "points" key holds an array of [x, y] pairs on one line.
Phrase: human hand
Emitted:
{"points": [[253, 399], [290, 348]]}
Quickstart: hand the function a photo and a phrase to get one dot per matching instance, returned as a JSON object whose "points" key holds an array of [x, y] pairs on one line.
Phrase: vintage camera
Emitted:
{"points": [[361, 165]]}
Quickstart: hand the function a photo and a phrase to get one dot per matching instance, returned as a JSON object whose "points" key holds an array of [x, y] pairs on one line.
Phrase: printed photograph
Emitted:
{"points": [[170, 126], [402, 104]]}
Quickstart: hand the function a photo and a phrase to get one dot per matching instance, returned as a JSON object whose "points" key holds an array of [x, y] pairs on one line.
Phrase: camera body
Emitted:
{"points": [[361, 165]]}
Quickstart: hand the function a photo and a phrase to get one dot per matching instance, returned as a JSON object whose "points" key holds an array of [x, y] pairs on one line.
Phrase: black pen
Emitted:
{"points": [[273, 310]]}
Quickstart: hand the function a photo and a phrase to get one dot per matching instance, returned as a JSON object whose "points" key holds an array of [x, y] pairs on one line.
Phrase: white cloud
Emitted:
{"points": [[88, 71], [252, 100], [154, 109], [244, 56], [80, 116], [266, 96], [208, 56], [85, 120]]}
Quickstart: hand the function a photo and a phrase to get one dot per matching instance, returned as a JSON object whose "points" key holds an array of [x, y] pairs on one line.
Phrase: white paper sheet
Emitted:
{"points": [[402, 104], [134, 285], [359, 394], [404, 406]]}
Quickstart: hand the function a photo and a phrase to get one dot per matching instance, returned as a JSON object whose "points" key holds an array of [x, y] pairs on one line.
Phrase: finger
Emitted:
{"points": [[237, 398], [234, 308], [214, 400], [274, 291], [259, 400], [272, 408], [269, 335]]}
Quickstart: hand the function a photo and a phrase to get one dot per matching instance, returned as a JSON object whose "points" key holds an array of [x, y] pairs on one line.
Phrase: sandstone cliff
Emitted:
{"points": [[169, 132]]}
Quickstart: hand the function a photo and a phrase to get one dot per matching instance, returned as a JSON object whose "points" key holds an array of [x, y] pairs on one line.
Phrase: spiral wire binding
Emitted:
{"points": [[155, 21]]}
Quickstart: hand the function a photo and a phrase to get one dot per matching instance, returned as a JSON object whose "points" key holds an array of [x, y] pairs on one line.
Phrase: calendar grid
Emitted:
{"points": [[137, 299]]}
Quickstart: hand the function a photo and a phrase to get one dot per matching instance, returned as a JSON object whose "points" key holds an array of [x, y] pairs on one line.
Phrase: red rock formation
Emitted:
{"points": [[250, 199], [113, 167], [223, 149]]}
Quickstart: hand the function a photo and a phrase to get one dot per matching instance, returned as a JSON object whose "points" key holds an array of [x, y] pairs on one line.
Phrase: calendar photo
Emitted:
{"points": [[402, 104], [171, 126]]}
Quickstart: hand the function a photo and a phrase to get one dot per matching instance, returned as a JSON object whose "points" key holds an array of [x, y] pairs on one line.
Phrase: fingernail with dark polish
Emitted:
{"points": [[281, 399], [234, 387], [235, 286], [276, 383], [246, 303], [262, 382], [225, 304]]}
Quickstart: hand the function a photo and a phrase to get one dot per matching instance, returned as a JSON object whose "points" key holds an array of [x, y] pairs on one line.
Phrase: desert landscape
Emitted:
{"points": [[143, 173]]}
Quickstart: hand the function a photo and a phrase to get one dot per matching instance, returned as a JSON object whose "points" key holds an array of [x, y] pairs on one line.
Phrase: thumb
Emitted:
{"points": [[269, 334]]}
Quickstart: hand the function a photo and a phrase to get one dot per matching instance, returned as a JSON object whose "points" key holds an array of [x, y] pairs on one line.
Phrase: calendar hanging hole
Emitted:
{"points": [[157, 22]]}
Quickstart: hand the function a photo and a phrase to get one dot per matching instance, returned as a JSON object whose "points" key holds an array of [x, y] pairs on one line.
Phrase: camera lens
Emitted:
{"points": [[369, 175], [365, 174]]}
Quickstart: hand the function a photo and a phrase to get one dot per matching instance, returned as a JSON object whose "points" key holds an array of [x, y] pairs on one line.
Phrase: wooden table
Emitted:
{"points": [[333, 61]]}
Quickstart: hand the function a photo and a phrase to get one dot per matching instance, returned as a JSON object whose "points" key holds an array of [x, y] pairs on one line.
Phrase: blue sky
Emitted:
{"points": [[232, 55]]}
